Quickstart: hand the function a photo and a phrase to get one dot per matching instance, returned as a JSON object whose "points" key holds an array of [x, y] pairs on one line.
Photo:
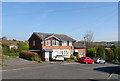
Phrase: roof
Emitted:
{"points": [[48, 49], [62, 37], [79, 45]]}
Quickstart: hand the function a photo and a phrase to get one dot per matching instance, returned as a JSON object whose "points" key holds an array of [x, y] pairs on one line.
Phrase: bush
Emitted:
{"points": [[29, 56], [68, 59], [38, 59], [74, 58]]}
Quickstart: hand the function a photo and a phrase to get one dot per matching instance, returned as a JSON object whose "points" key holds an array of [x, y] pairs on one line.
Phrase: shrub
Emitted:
{"points": [[38, 59], [28, 55], [74, 58], [68, 59]]}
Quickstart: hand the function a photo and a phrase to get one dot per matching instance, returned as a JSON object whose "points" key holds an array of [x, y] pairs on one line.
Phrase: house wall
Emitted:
{"points": [[57, 47], [38, 45], [80, 51], [60, 47]]}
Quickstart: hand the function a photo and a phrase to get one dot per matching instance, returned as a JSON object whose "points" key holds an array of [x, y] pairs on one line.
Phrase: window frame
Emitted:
{"points": [[33, 43], [47, 43], [70, 43], [55, 43], [64, 43]]}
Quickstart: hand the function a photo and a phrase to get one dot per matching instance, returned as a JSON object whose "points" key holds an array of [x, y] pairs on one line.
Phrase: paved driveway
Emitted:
{"points": [[62, 70]]}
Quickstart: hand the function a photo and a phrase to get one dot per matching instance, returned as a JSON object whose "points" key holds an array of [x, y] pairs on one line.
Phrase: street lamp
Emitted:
{"points": [[84, 46]]}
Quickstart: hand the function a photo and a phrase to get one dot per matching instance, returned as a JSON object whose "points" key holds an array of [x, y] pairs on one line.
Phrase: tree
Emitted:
{"points": [[101, 52], [91, 53], [88, 38], [22, 46], [115, 51], [109, 55]]}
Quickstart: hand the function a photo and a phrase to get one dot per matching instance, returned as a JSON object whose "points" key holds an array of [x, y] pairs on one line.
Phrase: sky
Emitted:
{"points": [[21, 19]]}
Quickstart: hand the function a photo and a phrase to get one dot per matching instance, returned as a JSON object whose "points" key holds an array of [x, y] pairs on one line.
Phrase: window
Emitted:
{"points": [[47, 42], [64, 43], [70, 43], [65, 52], [55, 43], [33, 42]]}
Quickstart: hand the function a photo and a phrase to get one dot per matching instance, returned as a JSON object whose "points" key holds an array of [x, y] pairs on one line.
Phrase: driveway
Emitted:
{"points": [[62, 70], [16, 61]]}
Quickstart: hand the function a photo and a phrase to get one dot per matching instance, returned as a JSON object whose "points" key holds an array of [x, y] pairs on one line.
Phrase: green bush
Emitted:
{"points": [[38, 59], [28, 55], [74, 58]]}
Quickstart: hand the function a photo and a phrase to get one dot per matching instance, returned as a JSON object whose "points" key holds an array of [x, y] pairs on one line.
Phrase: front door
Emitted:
{"points": [[46, 56]]}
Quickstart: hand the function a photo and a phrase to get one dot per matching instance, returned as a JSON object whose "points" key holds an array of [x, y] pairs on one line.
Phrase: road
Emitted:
{"points": [[62, 70]]}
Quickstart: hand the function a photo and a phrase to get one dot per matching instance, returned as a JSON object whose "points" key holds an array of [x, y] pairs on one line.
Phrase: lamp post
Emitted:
{"points": [[84, 46]]}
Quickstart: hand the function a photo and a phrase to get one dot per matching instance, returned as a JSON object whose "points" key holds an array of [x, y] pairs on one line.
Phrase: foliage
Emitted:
{"points": [[76, 54], [68, 59], [100, 52], [110, 55], [38, 59], [74, 58], [30, 56], [118, 54], [22, 46], [10, 53]]}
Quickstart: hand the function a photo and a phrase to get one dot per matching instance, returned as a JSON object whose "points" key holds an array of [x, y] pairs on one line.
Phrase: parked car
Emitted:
{"points": [[86, 60], [59, 57], [99, 60]]}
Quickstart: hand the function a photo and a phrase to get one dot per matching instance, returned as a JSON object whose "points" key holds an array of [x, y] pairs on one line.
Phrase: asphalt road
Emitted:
{"points": [[62, 70]]}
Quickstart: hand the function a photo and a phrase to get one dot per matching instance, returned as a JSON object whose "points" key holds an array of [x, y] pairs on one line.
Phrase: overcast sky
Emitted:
{"points": [[74, 19]]}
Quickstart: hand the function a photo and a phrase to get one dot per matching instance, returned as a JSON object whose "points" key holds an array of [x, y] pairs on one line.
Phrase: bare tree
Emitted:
{"points": [[88, 38]]}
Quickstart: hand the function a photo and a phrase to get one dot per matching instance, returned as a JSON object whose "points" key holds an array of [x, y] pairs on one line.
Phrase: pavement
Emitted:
{"points": [[16, 61], [60, 70]]}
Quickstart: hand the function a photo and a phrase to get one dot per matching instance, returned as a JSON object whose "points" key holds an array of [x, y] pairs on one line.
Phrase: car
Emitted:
{"points": [[86, 60], [99, 60], [59, 57]]}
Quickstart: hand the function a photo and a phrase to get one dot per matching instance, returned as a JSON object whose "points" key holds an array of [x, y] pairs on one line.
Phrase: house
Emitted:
{"points": [[49, 45], [12, 47], [80, 49]]}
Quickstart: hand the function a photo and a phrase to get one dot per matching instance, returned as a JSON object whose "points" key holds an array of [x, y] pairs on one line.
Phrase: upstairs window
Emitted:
{"points": [[55, 43], [70, 43], [47, 42], [33, 42], [64, 43]]}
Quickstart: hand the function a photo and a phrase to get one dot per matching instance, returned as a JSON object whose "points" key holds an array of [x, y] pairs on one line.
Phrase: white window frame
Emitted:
{"points": [[55, 43], [64, 43], [33, 42], [47, 42], [65, 52], [70, 43]]}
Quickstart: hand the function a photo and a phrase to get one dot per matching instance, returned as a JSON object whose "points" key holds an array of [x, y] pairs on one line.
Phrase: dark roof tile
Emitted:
{"points": [[62, 37]]}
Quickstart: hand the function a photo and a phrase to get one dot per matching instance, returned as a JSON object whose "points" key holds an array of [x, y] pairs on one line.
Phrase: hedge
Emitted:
{"points": [[30, 56]]}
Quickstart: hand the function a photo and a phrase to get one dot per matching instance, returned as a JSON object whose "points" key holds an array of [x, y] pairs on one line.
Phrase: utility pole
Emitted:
{"points": [[84, 46]]}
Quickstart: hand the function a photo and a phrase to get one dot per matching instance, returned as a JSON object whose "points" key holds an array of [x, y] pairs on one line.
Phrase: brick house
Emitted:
{"points": [[49, 45], [80, 49]]}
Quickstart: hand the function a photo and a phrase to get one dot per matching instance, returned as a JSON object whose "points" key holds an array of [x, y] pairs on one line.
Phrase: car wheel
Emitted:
{"points": [[86, 62]]}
